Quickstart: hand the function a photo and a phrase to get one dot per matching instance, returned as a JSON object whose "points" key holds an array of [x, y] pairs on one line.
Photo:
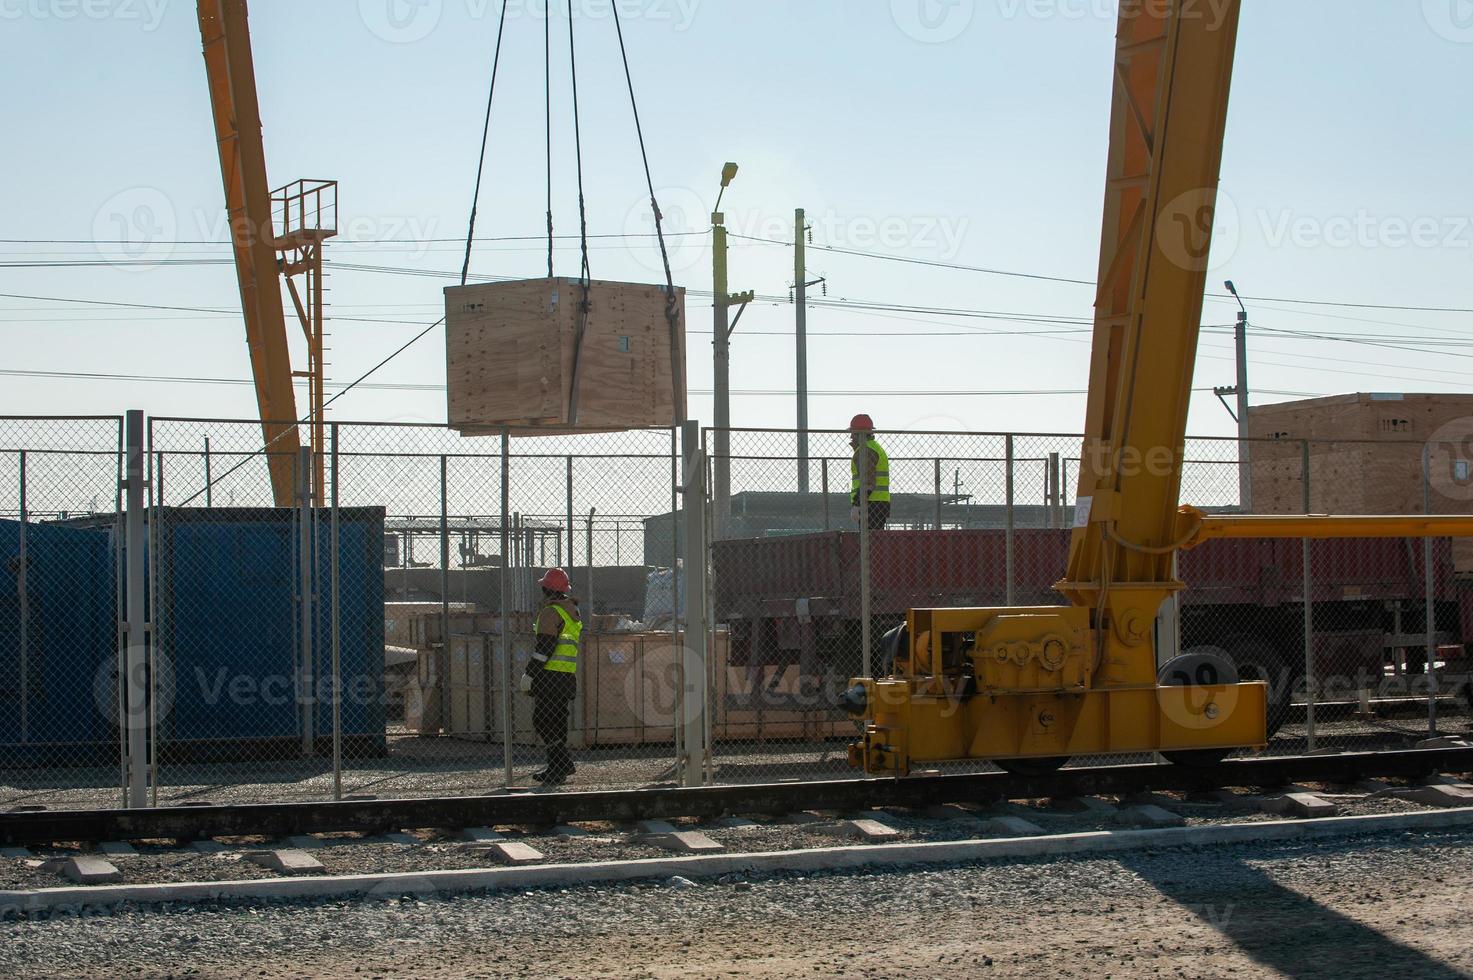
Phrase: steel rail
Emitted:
{"points": [[185, 823]]}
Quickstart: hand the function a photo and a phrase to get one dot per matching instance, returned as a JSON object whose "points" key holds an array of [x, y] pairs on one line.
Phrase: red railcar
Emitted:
{"points": [[796, 599]]}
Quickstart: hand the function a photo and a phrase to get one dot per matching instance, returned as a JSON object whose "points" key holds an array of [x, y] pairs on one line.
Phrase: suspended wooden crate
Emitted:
{"points": [[522, 355]]}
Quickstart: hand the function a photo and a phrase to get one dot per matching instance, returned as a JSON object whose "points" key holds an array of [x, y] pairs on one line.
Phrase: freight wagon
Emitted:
{"points": [[794, 602]]}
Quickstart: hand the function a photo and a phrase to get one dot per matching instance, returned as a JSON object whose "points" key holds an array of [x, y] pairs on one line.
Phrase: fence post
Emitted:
{"points": [[938, 493], [1308, 585], [866, 641], [571, 560], [677, 638], [1051, 491], [337, 633], [1008, 535], [135, 666], [304, 585], [713, 662], [445, 564], [592, 511], [209, 483], [1429, 588], [692, 695], [507, 703], [23, 601], [827, 523]]}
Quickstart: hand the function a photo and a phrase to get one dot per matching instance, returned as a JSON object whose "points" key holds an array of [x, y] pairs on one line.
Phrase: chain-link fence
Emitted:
{"points": [[985, 520], [359, 621], [61, 604]]}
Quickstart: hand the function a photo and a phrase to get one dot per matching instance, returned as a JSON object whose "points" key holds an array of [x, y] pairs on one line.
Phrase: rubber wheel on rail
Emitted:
{"points": [[1201, 665], [1032, 767]]}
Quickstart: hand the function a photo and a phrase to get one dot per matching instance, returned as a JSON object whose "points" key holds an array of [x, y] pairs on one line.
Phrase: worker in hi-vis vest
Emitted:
{"points": [[869, 470], [552, 674]]}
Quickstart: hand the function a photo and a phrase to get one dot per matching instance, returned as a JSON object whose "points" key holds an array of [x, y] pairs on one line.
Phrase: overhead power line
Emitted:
{"points": [[413, 386]]}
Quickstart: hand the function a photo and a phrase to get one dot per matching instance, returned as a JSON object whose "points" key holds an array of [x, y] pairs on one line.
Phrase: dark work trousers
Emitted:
{"points": [[552, 697], [879, 514]]}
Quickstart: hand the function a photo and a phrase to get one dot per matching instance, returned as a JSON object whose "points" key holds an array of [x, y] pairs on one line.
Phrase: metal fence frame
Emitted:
{"points": [[149, 463]]}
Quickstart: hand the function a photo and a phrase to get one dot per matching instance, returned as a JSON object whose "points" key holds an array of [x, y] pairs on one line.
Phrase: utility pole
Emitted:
{"points": [[800, 283], [722, 327], [1240, 343]]}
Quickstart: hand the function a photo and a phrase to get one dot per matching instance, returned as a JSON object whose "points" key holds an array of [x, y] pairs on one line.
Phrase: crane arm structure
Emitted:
{"points": [[1173, 72], [1030, 687], [306, 212], [225, 30]]}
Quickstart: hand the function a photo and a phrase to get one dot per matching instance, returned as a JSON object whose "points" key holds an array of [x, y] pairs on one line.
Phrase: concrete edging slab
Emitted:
{"points": [[707, 866]]}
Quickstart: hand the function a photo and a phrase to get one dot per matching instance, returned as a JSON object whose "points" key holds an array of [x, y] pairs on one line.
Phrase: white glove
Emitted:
{"points": [[525, 684], [854, 516]]}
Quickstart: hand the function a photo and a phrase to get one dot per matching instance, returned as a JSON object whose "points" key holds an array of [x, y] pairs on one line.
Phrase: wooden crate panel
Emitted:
{"points": [[512, 356]]}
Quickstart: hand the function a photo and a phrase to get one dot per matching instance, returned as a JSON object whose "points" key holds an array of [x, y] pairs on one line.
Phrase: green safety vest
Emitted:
{"points": [[564, 659], [880, 492]]}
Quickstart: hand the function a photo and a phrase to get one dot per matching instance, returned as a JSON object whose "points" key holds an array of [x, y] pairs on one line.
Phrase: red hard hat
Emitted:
{"points": [[556, 580], [861, 423]]}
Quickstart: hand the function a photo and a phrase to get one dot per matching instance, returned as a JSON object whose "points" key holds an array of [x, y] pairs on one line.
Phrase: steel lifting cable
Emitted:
{"points": [[547, 109], [672, 304], [584, 270], [485, 135]]}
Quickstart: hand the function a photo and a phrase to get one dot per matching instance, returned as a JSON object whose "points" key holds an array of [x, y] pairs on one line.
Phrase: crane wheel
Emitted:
{"points": [[1200, 665]]}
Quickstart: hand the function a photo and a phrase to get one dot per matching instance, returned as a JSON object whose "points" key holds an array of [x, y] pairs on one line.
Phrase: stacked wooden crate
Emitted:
{"points": [[525, 355], [1366, 456]]}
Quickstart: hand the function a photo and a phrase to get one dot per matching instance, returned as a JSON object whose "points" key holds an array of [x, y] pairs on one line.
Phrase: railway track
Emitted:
{"points": [[376, 816], [52, 860]]}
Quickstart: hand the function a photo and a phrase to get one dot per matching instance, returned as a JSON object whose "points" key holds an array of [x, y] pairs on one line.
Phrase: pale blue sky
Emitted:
{"points": [[1349, 128]]}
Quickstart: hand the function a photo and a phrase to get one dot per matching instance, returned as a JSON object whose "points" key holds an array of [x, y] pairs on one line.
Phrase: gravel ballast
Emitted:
{"points": [[1367, 907]]}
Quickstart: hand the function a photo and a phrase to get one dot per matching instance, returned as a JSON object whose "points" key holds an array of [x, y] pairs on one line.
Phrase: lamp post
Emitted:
{"points": [[722, 327]]}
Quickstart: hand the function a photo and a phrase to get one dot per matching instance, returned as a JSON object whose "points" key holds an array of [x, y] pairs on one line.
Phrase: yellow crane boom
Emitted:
{"points": [[307, 214], [1030, 687]]}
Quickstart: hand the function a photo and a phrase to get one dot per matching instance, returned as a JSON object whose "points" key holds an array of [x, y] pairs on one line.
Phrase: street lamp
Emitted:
{"points": [[722, 327]]}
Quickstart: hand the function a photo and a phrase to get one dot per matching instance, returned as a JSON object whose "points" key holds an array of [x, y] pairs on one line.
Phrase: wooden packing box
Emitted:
{"points": [[513, 356], [1366, 457], [627, 684]]}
